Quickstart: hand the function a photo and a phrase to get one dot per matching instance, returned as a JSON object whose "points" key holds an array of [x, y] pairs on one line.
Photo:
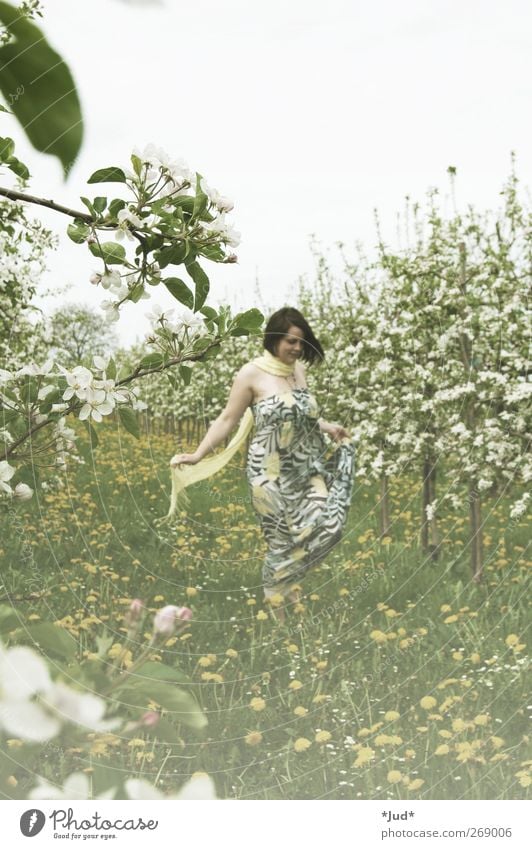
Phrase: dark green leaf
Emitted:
{"points": [[7, 146], [48, 109], [209, 312], [250, 320], [172, 255], [181, 705], [115, 206], [128, 417], [18, 167], [180, 291], [202, 284], [108, 175]]}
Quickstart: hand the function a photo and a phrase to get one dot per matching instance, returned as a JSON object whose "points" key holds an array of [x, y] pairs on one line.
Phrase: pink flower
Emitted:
{"points": [[167, 618], [150, 718]]}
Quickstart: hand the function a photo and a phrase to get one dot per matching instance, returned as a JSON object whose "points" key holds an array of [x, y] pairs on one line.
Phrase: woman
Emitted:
{"points": [[301, 499]]}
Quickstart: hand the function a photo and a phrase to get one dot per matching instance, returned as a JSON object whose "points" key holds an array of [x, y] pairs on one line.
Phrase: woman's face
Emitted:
{"points": [[290, 346]]}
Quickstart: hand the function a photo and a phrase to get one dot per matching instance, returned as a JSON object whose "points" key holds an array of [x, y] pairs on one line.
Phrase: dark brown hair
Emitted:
{"points": [[278, 325]]}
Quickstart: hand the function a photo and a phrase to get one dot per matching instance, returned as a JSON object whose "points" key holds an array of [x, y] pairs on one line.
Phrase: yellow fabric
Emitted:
{"points": [[189, 474]]}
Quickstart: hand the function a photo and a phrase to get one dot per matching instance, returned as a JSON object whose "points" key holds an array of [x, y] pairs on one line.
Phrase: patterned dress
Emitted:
{"points": [[301, 497]]}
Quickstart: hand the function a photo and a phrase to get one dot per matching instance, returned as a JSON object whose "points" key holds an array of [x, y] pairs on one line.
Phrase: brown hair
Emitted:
{"points": [[278, 325]]}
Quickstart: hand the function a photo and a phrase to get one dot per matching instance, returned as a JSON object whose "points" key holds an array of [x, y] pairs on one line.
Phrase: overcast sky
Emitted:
{"points": [[308, 114]]}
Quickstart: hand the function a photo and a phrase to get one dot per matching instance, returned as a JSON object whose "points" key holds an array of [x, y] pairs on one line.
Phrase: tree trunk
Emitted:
{"points": [[384, 513], [475, 537]]}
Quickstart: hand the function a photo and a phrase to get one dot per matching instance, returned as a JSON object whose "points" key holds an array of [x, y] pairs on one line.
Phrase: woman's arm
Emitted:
{"points": [[240, 398]]}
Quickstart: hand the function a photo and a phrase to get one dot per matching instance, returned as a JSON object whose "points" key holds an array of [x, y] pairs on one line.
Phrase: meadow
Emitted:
{"points": [[394, 677]]}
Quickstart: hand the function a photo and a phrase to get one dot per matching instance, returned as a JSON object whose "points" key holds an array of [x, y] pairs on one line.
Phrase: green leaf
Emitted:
{"points": [[111, 369], [186, 374], [18, 167], [249, 320], [29, 390], [172, 255], [212, 352], [78, 232], [151, 361], [99, 204], [201, 200], [209, 312], [53, 639], [7, 147], [48, 108], [115, 206], [202, 284], [128, 418], [161, 672], [181, 706], [111, 252], [93, 436], [9, 619], [180, 291], [108, 175]]}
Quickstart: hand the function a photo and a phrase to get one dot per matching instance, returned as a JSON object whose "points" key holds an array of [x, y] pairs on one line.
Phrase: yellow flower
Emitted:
{"points": [[445, 608], [378, 636], [443, 749], [276, 600], [458, 725], [511, 640], [323, 736], [450, 619], [415, 784], [343, 591], [445, 734], [257, 704], [496, 742], [321, 664], [251, 601], [475, 657], [481, 719], [295, 685], [391, 715], [205, 661], [391, 613], [231, 653], [261, 616], [457, 655], [525, 780], [428, 702], [314, 597], [318, 700], [301, 744], [292, 648], [394, 776], [253, 738], [300, 710], [158, 598], [136, 742], [364, 756]]}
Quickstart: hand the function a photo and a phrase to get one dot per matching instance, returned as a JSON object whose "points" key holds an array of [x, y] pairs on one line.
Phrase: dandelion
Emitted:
{"points": [[323, 737], [257, 704], [481, 719], [254, 738], [364, 756], [301, 744], [261, 616], [428, 702], [458, 725], [379, 636], [295, 685], [394, 776], [232, 653], [450, 619], [445, 608], [511, 640], [391, 715], [300, 710], [457, 655], [415, 784], [442, 749], [204, 661], [191, 592], [475, 657]]}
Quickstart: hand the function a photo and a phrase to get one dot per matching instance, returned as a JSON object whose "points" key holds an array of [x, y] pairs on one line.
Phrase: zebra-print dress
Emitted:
{"points": [[301, 496]]}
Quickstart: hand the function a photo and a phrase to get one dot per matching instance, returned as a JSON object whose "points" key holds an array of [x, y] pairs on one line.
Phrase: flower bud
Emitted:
{"points": [[150, 718], [166, 619], [231, 258], [134, 613], [22, 492], [95, 278]]}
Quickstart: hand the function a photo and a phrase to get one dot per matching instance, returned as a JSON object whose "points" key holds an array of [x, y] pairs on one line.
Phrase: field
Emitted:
{"points": [[395, 677]]}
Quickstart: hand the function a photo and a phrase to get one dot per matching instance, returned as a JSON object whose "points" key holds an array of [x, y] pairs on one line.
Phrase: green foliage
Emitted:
{"points": [[39, 88]]}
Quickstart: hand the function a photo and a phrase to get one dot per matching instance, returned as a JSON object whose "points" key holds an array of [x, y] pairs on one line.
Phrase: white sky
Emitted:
{"points": [[308, 114]]}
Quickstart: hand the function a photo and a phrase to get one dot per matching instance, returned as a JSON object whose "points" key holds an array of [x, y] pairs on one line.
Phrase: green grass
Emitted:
{"points": [[370, 636]]}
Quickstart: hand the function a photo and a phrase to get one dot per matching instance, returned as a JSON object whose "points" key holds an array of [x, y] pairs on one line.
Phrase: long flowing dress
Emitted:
{"points": [[301, 497]]}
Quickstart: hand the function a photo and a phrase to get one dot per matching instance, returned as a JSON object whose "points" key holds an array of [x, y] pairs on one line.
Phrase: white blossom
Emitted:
{"points": [[6, 473]]}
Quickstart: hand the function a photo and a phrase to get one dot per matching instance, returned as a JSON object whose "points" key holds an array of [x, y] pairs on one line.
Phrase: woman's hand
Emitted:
{"points": [[184, 459], [335, 431]]}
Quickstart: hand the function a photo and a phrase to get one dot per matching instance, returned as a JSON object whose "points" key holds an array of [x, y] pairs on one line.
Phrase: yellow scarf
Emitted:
{"points": [[189, 474]]}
